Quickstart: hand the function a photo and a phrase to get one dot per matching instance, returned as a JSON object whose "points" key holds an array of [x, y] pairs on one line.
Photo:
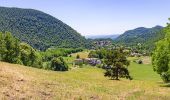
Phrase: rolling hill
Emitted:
{"points": [[19, 82], [146, 36], [39, 29]]}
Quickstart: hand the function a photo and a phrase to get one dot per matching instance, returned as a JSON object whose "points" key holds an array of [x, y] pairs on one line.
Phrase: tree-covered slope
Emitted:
{"points": [[146, 36], [39, 29]]}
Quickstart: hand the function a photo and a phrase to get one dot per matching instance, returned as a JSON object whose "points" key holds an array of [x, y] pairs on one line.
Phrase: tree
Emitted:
{"points": [[12, 51], [2, 46], [161, 56], [78, 56], [29, 56], [17, 52], [58, 64], [9, 45], [116, 59]]}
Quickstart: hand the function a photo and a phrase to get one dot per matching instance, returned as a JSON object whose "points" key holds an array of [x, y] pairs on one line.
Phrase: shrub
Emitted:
{"points": [[165, 76], [78, 56], [140, 62], [99, 66], [58, 64]]}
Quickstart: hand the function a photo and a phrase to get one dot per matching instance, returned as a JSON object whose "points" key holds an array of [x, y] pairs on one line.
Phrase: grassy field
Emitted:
{"points": [[71, 59], [87, 83], [143, 71]]}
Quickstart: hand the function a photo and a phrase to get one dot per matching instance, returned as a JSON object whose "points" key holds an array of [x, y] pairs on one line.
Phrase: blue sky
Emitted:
{"points": [[101, 17]]}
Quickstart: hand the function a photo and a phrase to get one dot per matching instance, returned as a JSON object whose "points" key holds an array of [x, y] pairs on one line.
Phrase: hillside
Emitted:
{"points": [[146, 36], [39, 29], [20, 82]]}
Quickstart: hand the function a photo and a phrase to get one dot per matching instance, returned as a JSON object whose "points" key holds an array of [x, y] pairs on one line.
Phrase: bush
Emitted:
{"points": [[165, 76], [99, 66], [58, 64], [78, 56], [140, 62]]}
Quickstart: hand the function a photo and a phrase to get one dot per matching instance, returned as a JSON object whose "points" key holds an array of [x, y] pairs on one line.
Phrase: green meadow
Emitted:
{"points": [[86, 83]]}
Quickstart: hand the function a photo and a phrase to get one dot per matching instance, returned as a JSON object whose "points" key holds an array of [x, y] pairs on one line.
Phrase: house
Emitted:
{"points": [[90, 61]]}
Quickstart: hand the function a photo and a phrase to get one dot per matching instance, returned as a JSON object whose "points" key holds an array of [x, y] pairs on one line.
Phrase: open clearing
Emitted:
{"points": [[20, 82]]}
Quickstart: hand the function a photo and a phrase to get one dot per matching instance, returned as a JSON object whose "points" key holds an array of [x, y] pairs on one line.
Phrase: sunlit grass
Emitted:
{"points": [[81, 83]]}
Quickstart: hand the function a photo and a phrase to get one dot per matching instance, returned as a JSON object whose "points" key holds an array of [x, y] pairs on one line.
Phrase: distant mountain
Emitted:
{"points": [[145, 36], [39, 29], [102, 36]]}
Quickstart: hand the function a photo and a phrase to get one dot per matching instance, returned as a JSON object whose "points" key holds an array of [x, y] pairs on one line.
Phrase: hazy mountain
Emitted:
{"points": [[102, 36]]}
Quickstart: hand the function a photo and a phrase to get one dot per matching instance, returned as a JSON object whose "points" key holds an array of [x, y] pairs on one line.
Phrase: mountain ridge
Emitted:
{"points": [[39, 29], [145, 36]]}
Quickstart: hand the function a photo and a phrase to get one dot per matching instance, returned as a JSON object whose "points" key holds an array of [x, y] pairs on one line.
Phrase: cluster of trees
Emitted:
{"points": [[100, 53], [38, 29], [114, 62], [12, 51], [161, 56], [51, 53]]}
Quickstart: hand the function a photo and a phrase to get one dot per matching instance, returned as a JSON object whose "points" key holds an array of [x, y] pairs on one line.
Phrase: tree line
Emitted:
{"points": [[14, 51]]}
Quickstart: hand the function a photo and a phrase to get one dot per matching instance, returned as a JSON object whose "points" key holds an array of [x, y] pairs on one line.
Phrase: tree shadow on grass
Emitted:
{"points": [[165, 85], [162, 84]]}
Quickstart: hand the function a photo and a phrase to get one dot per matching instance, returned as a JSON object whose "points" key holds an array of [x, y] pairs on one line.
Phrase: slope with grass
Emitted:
{"points": [[143, 71], [20, 82]]}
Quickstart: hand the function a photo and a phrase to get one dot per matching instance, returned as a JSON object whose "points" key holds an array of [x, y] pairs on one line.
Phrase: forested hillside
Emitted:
{"points": [[39, 29], [145, 36]]}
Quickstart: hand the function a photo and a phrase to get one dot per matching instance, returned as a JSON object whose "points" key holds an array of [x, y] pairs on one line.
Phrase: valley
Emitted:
{"points": [[44, 58]]}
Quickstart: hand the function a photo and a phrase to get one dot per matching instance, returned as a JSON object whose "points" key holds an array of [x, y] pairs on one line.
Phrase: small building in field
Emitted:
{"points": [[90, 61]]}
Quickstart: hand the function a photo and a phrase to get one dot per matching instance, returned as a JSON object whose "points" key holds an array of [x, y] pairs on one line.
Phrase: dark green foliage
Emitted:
{"points": [[140, 62], [78, 56], [9, 43], [100, 53], [114, 73], [13, 51], [118, 63], [145, 36], [58, 64], [161, 56], [93, 54], [29, 56], [39, 29], [50, 53], [165, 76]]}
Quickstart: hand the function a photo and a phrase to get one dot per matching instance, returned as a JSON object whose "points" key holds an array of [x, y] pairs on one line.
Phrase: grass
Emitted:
{"points": [[143, 72], [83, 54], [20, 82], [71, 59]]}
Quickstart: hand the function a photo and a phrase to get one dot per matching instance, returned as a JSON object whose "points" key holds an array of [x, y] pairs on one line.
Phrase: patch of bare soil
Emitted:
{"points": [[15, 85]]}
